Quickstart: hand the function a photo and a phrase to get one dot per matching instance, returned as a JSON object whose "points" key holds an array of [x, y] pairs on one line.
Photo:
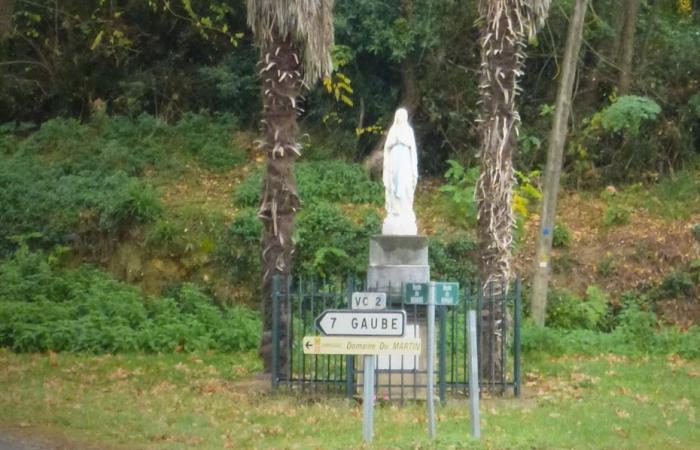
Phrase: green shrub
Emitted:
{"points": [[678, 284], [238, 249], [567, 311], [453, 258], [319, 181], [561, 236], [247, 193], [459, 187], [83, 310], [627, 113], [329, 243], [616, 215]]}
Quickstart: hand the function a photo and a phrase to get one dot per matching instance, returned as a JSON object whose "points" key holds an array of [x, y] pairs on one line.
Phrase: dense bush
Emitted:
{"points": [[57, 205], [567, 311], [453, 258], [68, 178], [318, 181], [238, 249], [84, 310], [328, 243]]}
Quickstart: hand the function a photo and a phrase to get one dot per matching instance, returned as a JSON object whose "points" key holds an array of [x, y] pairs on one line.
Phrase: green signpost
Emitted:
{"points": [[446, 293]]}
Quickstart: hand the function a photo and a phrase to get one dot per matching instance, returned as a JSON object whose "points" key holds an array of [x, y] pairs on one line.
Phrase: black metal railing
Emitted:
{"points": [[297, 303]]}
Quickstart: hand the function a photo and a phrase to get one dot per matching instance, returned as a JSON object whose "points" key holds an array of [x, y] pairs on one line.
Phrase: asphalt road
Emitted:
{"points": [[8, 442]]}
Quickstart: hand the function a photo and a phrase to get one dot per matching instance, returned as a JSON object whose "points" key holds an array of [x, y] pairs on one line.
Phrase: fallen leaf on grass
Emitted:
{"points": [[622, 414]]}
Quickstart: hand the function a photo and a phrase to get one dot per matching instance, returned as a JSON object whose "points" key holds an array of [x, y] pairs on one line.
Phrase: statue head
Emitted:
{"points": [[401, 117]]}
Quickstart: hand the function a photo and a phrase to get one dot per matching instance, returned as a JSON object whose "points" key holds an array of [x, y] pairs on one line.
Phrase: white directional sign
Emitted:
{"points": [[368, 300], [348, 345], [343, 322]]}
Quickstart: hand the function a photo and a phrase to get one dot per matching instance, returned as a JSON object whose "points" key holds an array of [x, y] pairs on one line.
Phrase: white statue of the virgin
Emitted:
{"points": [[400, 177]]}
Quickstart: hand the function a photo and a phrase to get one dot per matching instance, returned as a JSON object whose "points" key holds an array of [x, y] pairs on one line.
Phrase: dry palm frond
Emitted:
{"points": [[308, 24]]}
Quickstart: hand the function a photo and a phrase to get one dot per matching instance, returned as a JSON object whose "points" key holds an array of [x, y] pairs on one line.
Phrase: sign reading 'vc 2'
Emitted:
{"points": [[341, 322]]}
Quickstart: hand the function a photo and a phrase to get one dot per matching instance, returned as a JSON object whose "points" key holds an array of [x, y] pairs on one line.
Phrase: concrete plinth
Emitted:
{"points": [[394, 260]]}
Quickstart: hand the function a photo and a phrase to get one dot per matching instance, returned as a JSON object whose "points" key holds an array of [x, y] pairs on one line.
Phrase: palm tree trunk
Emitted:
{"points": [[282, 84], [503, 41]]}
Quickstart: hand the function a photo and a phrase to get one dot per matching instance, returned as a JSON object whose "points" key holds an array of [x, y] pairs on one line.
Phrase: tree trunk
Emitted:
{"points": [[502, 59], [7, 7], [607, 55], [282, 84], [555, 151], [627, 39]]}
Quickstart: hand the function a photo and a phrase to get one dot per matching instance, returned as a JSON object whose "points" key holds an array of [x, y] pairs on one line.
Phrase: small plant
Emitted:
{"points": [[627, 113], [616, 215], [695, 230], [561, 236], [567, 311], [459, 191], [607, 266]]}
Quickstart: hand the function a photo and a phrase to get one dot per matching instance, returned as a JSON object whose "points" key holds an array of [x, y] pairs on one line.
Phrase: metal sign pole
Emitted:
{"points": [[473, 376], [431, 360], [368, 398]]}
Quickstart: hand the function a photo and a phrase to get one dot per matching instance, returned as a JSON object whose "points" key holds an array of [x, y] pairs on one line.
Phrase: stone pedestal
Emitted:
{"points": [[394, 260]]}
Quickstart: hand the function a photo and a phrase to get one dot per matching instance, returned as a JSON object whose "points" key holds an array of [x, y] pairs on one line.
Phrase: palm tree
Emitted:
{"points": [[505, 27], [295, 38]]}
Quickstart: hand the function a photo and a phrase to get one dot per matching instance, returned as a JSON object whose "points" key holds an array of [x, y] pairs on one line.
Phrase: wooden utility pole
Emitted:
{"points": [[555, 151]]}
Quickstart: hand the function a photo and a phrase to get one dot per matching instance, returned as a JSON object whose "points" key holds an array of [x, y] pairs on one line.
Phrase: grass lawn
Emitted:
{"points": [[209, 401]]}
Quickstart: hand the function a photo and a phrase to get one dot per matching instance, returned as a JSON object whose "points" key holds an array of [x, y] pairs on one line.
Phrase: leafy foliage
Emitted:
{"points": [[627, 113], [453, 257], [329, 243], [561, 236], [84, 310], [566, 311], [319, 181], [459, 189]]}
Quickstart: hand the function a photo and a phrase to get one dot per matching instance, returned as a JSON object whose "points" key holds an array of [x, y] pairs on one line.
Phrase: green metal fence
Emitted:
{"points": [[296, 305]]}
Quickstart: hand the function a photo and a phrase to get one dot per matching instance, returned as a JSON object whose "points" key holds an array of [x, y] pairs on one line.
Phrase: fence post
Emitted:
{"points": [[516, 339], [275, 330], [350, 359], [442, 354]]}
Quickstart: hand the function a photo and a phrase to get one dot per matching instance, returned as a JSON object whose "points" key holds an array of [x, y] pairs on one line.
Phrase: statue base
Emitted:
{"points": [[394, 260], [404, 225]]}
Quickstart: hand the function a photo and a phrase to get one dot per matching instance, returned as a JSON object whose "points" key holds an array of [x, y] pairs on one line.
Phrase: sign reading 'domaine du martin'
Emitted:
{"points": [[349, 345], [343, 322], [446, 293], [368, 300]]}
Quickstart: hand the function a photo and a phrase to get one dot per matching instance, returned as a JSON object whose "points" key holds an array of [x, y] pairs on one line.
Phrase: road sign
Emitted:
{"points": [[368, 300], [415, 293], [333, 345], [344, 322], [446, 293]]}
